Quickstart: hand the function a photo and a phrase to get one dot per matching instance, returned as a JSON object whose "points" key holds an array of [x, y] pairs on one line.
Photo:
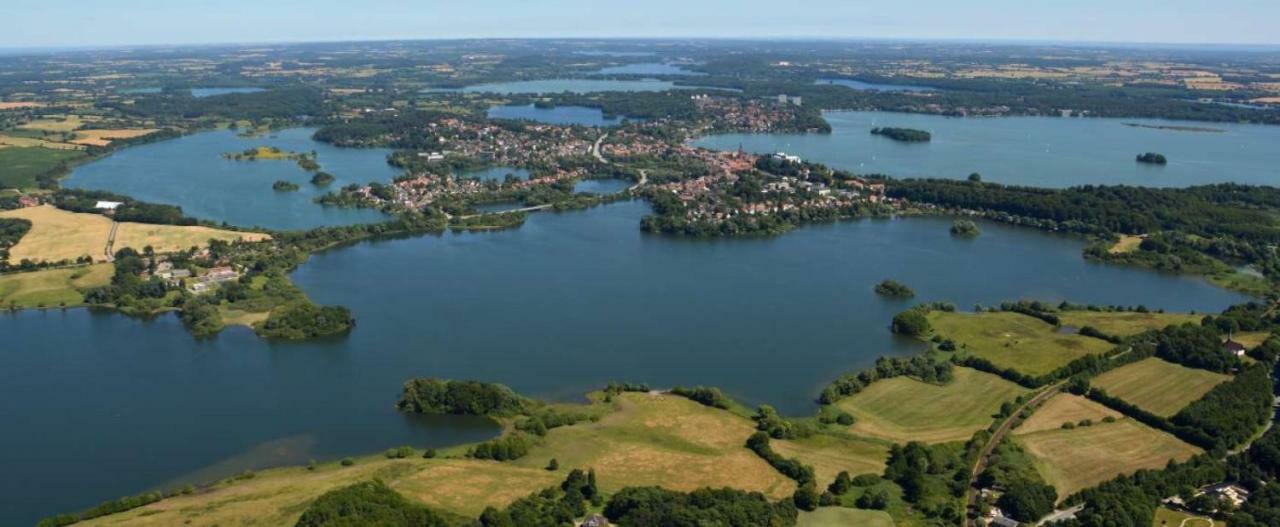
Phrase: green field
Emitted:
{"points": [[1065, 408], [844, 517], [1073, 460], [1125, 324], [903, 409], [829, 455], [1013, 340], [20, 166], [640, 439], [52, 288], [1159, 387], [1171, 518]]}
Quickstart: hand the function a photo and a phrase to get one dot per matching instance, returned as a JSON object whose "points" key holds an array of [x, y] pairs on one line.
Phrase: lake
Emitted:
{"points": [[191, 173], [100, 405], [210, 92], [651, 68], [571, 85], [1037, 151], [602, 186], [872, 86], [495, 173], [560, 115]]}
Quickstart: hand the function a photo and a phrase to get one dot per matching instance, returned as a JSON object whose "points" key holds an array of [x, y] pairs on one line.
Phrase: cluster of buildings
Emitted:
{"points": [[749, 116], [177, 276], [503, 145]]}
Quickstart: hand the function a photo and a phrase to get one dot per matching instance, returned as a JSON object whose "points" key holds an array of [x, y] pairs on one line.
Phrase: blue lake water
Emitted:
{"points": [[561, 115], [100, 405], [871, 86], [1037, 151], [651, 68], [210, 92], [190, 172], [571, 85], [601, 186]]}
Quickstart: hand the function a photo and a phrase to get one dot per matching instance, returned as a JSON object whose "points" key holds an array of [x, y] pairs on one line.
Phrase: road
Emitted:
{"points": [[1058, 516], [595, 149], [111, 242], [985, 456], [522, 209]]}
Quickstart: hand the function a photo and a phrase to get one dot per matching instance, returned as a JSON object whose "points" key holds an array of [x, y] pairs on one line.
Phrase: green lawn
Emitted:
{"points": [[1125, 324], [844, 517], [1013, 340], [1171, 518], [830, 454], [1159, 387], [1076, 459], [52, 288], [903, 409], [20, 166]]}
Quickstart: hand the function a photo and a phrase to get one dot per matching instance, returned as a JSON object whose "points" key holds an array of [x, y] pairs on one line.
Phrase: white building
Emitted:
{"points": [[108, 205]]}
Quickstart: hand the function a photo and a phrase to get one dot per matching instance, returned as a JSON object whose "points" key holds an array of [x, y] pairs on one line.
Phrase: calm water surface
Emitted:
{"points": [[210, 92], [495, 173], [561, 115], [190, 172], [99, 405], [874, 86], [649, 68], [1037, 151], [572, 85]]}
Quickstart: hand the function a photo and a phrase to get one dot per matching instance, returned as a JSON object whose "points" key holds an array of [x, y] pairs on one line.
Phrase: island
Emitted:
{"points": [[284, 186], [894, 289], [905, 135], [321, 179], [305, 160], [964, 228], [1152, 158]]}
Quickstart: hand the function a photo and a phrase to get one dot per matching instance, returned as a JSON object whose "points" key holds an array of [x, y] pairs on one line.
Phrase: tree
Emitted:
{"points": [[1028, 501], [553, 465], [912, 323], [975, 177]]}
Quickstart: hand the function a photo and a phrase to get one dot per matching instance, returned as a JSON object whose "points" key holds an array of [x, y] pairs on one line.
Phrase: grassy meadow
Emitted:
{"points": [[1076, 459], [1157, 386], [1013, 340], [1125, 324], [903, 409], [844, 517], [19, 166], [830, 454], [1064, 408], [52, 288]]}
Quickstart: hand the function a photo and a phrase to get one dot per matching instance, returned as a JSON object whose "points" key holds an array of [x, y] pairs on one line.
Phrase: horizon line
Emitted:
{"points": [[953, 40]]}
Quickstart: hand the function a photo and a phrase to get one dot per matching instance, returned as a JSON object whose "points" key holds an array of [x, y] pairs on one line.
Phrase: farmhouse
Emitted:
{"points": [[28, 201], [1233, 347], [108, 206]]}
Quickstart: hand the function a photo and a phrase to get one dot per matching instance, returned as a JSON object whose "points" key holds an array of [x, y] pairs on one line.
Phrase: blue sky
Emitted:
{"points": [[57, 23]]}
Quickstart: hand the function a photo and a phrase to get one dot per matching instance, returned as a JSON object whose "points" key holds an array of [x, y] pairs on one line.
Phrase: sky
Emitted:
{"points": [[93, 23]]}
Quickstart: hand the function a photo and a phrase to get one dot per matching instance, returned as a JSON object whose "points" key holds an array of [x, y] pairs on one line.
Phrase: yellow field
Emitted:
{"points": [[1013, 340], [27, 142], [56, 235], [1159, 387], [104, 137], [65, 124], [903, 409], [829, 455], [17, 105], [663, 440], [52, 288], [169, 238], [1064, 408], [1072, 460], [844, 517], [641, 440], [1127, 243], [1125, 324]]}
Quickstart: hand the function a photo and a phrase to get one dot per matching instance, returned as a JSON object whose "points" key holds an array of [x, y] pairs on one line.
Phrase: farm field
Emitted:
{"points": [[843, 517], [903, 409], [1157, 386], [20, 166], [662, 440], [1125, 324], [1064, 408], [645, 440], [829, 455], [104, 137], [1251, 339], [1076, 459], [1127, 243], [58, 235], [53, 287], [1013, 340]]}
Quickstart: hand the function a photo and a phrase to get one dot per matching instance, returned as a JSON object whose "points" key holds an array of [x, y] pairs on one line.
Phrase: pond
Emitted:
{"points": [[1036, 151], [190, 172], [601, 186], [100, 405], [210, 92], [495, 173], [572, 86], [559, 115]]}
